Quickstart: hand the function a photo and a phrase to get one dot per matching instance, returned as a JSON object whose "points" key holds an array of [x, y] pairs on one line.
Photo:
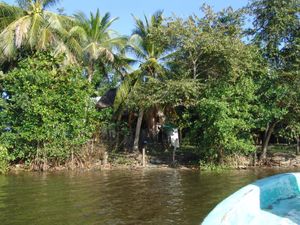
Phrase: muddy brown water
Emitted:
{"points": [[150, 196]]}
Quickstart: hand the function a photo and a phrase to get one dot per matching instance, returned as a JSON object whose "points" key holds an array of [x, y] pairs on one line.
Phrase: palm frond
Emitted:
{"points": [[8, 14], [62, 48], [135, 45], [21, 31], [78, 33], [36, 22], [157, 18], [24, 4], [45, 39], [114, 43], [54, 20], [44, 4], [130, 82], [74, 48], [14, 36], [91, 51], [122, 64], [49, 3], [140, 28], [7, 45]]}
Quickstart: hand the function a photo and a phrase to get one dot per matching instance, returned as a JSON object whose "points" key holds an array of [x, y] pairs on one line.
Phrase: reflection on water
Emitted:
{"points": [[3, 183], [117, 197]]}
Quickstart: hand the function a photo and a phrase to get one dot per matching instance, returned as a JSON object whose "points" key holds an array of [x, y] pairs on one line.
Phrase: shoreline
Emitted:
{"points": [[276, 160], [109, 167], [22, 168]]}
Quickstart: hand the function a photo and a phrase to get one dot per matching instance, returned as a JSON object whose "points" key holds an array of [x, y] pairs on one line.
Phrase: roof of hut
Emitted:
{"points": [[107, 100]]}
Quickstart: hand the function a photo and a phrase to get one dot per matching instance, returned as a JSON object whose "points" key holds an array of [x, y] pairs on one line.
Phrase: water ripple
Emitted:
{"points": [[116, 197]]}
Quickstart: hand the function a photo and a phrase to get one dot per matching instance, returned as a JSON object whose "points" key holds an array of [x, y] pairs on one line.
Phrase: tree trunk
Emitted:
{"points": [[266, 140], [298, 146], [130, 119], [180, 135], [194, 62], [138, 131]]}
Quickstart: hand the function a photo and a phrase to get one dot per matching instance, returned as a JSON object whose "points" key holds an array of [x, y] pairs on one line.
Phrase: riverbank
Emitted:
{"points": [[124, 161], [134, 161]]}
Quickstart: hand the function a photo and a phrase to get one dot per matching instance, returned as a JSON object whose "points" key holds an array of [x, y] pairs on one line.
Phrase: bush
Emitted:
{"points": [[48, 112], [225, 119]]}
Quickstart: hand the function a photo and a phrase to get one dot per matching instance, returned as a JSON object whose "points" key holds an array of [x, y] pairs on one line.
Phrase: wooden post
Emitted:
{"points": [[72, 157], [105, 158], [174, 150], [144, 157], [298, 146], [254, 158]]}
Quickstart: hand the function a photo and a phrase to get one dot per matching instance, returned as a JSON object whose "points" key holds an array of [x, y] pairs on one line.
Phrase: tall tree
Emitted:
{"points": [[226, 67], [149, 55], [276, 31]]}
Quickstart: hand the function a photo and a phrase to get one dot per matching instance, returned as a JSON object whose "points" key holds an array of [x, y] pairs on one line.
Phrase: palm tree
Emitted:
{"points": [[150, 55], [98, 41], [31, 27]]}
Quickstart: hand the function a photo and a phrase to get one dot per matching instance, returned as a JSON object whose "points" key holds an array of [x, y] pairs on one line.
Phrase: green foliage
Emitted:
{"points": [[99, 43], [4, 160], [271, 98], [212, 167], [196, 40], [225, 119], [276, 28], [225, 111], [121, 159], [165, 93], [47, 112], [30, 28]]}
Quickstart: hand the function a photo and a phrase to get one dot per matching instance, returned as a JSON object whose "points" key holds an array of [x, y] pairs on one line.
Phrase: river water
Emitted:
{"points": [[150, 196]]}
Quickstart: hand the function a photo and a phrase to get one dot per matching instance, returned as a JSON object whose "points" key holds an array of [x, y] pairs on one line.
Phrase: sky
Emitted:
{"points": [[124, 9]]}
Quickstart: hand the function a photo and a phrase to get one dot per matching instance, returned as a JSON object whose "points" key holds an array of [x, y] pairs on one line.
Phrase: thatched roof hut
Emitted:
{"points": [[107, 100]]}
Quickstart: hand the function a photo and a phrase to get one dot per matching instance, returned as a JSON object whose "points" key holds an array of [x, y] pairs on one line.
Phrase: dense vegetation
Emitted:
{"points": [[227, 85]]}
